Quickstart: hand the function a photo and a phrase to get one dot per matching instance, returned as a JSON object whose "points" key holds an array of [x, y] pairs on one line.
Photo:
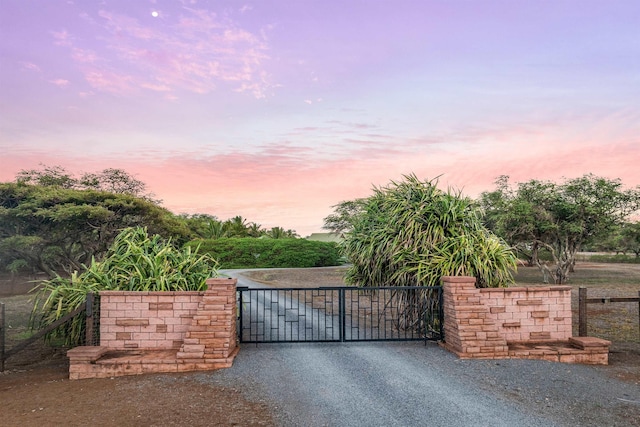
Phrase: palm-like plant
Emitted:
{"points": [[135, 262], [236, 227], [411, 233]]}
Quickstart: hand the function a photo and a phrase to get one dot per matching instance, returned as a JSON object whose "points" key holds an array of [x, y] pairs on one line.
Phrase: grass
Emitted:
{"points": [[588, 273], [616, 322], [17, 312]]}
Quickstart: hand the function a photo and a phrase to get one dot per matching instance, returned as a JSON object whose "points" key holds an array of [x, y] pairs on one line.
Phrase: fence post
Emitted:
{"points": [[342, 314], [2, 329], [88, 339], [582, 312]]}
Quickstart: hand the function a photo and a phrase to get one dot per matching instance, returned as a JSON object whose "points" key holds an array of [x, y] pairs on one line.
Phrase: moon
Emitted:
{"points": [[155, 14]]}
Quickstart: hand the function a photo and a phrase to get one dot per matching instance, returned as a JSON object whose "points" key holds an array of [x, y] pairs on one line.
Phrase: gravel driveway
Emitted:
{"points": [[409, 384]]}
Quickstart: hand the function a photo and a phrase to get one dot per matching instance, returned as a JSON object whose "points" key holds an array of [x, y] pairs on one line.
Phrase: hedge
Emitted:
{"points": [[269, 253]]}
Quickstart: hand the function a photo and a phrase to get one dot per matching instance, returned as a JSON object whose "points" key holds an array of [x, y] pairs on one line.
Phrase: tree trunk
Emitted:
{"points": [[45, 268]]}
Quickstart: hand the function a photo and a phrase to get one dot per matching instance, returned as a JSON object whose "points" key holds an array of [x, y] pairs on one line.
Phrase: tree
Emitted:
{"points": [[281, 233], [116, 181], [630, 238], [255, 230], [519, 219], [53, 228], [210, 227], [112, 180], [612, 242], [341, 221], [411, 233], [558, 217], [204, 226], [236, 227], [55, 176]]}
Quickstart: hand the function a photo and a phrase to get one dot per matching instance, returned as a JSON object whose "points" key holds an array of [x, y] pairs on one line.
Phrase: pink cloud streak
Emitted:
{"points": [[295, 191]]}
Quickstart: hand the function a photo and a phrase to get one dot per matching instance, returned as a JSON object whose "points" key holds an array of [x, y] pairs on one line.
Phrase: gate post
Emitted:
{"points": [[342, 314], [582, 312], [88, 338], [240, 290]]}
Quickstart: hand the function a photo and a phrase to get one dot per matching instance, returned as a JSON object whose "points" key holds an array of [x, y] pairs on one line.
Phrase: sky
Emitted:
{"points": [[277, 110]]}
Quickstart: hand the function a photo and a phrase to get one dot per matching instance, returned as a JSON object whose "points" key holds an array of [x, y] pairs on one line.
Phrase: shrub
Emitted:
{"points": [[135, 262], [615, 259], [411, 233], [269, 253]]}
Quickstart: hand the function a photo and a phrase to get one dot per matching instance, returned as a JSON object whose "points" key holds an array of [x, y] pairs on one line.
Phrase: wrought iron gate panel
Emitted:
{"points": [[339, 314]]}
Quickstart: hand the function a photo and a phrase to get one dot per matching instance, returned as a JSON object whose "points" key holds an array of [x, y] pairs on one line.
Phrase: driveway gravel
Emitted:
{"points": [[410, 383]]}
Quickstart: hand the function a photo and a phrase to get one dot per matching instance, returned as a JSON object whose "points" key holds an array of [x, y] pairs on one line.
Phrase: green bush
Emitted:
{"points": [[615, 259], [135, 262], [269, 253], [411, 233]]}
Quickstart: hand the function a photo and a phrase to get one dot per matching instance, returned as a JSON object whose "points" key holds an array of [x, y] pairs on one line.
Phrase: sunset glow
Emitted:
{"points": [[277, 110]]}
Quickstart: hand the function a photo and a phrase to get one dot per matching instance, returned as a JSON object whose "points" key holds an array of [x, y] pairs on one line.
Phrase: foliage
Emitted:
{"points": [[281, 233], [615, 259], [411, 233], [135, 262], [203, 226], [52, 228], [269, 253], [112, 180], [559, 217], [210, 227], [342, 218], [630, 238]]}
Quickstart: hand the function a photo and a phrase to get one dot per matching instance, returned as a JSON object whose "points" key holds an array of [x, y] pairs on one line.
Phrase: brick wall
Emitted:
{"points": [[530, 314], [481, 323], [169, 331], [146, 320]]}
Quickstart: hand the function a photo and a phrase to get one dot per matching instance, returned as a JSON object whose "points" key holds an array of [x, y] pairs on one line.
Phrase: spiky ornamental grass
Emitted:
{"points": [[411, 233], [135, 262]]}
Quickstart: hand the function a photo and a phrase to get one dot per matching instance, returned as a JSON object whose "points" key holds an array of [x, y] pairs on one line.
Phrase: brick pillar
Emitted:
{"points": [[468, 329], [212, 336]]}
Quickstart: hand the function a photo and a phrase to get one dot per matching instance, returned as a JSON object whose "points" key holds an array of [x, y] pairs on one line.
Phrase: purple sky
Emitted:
{"points": [[277, 110]]}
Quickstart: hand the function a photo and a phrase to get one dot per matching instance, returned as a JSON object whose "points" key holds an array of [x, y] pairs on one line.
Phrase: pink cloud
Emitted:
{"points": [[84, 56], [107, 81], [60, 82], [62, 38], [200, 53], [31, 66]]}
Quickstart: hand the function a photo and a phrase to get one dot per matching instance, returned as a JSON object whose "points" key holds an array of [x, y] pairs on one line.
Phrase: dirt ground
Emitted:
{"points": [[35, 390]]}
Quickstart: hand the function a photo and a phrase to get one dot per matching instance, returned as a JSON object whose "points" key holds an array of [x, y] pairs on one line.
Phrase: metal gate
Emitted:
{"points": [[340, 314]]}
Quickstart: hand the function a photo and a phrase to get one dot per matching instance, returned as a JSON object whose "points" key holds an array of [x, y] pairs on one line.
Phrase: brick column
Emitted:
{"points": [[212, 336], [468, 329]]}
